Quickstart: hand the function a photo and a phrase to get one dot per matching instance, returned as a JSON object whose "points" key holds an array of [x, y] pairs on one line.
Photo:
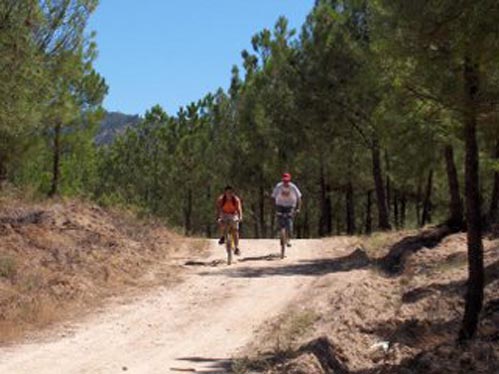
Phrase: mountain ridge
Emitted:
{"points": [[114, 124]]}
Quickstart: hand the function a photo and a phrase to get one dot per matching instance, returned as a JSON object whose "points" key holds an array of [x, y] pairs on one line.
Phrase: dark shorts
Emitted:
{"points": [[285, 217]]}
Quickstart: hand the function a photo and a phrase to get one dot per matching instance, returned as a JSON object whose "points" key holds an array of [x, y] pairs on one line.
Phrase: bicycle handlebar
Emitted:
{"points": [[233, 220], [286, 213]]}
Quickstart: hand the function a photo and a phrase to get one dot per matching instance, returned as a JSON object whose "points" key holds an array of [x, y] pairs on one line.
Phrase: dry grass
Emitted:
{"points": [[59, 259], [277, 340], [377, 244], [291, 328]]}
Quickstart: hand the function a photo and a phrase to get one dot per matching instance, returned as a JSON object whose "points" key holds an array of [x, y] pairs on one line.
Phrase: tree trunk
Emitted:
{"points": [[494, 200], [329, 211], [418, 205], [383, 221], [256, 221], [56, 162], [325, 224], [427, 205], [272, 221], [188, 213], [321, 229], [350, 209], [388, 184], [455, 220], [208, 223], [369, 219], [306, 225], [396, 208], [298, 230], [3, 169], [263, 229], [403, 209], [154, 195], [474, 294]]}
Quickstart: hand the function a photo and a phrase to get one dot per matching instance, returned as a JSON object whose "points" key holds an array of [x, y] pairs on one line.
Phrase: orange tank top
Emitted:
{"points": [[229, 206]]}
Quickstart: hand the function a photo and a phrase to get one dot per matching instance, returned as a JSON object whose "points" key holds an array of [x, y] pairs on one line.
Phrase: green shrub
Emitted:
{"points": [[7, 267]]}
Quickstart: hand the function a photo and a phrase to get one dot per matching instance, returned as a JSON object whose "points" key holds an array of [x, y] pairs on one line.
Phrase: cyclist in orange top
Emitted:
{"points": [[229, 212]]}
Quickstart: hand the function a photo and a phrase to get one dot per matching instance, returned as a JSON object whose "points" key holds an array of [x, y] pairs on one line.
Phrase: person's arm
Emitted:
{"points": [[240, 209], [299, 196], [273, 197], [219, 208], [298, 205]]}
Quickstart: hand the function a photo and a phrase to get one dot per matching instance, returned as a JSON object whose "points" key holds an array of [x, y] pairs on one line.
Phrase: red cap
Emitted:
{"points": [[286, 177]]}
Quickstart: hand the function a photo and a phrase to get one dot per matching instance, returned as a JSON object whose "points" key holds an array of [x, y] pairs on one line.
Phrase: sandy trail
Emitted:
{"points": [[196, 326]]}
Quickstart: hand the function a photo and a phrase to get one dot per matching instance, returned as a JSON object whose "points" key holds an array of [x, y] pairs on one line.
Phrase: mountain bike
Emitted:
{"points": [[284, 220], [230, 242]]}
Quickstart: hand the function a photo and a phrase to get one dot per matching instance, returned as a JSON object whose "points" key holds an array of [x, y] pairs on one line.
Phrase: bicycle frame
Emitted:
{"points": [[229, 239], [229, 243], [284, 229]]}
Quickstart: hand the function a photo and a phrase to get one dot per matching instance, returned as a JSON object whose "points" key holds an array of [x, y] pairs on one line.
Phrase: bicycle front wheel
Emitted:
{"points": [[229, 240]]}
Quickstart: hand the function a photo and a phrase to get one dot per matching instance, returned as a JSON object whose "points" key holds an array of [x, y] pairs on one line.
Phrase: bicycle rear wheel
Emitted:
{"points": [[284, 241]]}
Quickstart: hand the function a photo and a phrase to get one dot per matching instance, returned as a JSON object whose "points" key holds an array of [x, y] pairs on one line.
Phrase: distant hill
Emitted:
{"points": [[114, 124]]}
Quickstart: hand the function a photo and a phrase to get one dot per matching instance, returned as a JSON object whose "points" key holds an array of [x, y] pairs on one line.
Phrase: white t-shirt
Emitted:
{"points": [[286, 195]]}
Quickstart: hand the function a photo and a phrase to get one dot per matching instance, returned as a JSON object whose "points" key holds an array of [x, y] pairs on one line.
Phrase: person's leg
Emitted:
{"points": [[221, 226], [290, 226], [235, 233], [281, 219], [290, 231]]}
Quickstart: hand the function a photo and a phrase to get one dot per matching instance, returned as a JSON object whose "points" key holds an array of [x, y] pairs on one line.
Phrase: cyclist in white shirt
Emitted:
{"points": [[288, 199]]}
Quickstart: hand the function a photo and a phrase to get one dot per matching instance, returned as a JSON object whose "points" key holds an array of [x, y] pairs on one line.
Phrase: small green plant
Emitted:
{"points": [[451, 263], [377, 244], [8, 267], [302, 323], [374, 243], [31, 283], [279, 341], [291, 329]]}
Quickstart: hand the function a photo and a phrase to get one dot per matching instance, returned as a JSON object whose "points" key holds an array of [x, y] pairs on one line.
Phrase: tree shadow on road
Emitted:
{"points": [[451, 288], [413, 332], [432, 343], [213, 263], [394, 262], [436, 345], [211, 365], [355, 260], [271, 257]]}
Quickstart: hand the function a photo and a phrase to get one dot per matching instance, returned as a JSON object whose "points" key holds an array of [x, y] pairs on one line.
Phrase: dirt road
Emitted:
{"points": [[196, 326]]}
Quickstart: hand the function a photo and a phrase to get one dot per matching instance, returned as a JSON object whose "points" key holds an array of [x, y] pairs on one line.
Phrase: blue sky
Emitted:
{"points": [[172, 52]]}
